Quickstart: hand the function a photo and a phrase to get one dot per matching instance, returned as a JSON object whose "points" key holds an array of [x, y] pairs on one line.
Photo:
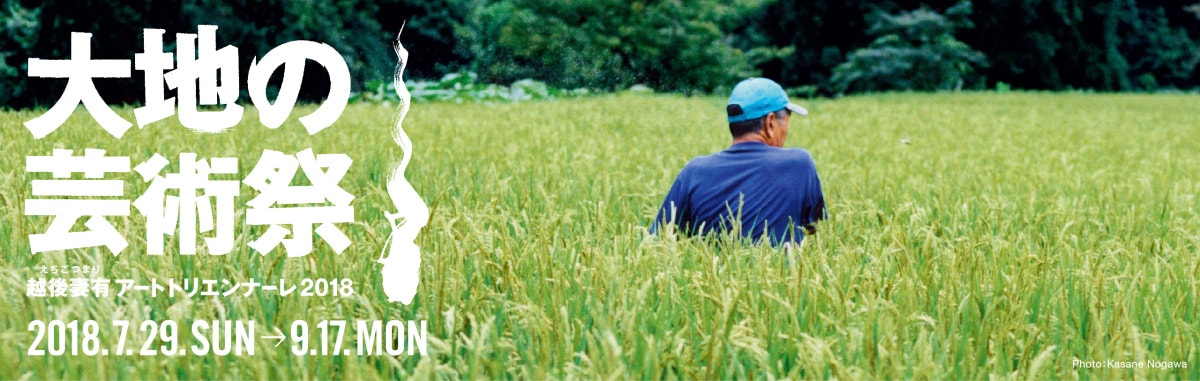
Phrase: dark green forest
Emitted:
{"points": [[812, 47]]}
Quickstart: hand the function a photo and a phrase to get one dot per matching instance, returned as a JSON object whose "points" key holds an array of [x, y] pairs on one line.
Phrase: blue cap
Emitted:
{"points": [[757, 97]]}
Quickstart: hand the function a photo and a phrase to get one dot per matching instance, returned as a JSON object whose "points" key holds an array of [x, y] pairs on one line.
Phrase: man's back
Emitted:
{"points": [[777, 189]]}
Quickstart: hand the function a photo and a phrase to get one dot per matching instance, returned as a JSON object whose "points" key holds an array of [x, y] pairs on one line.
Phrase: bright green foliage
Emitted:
{"points": [[972, 236], [915, 50]]}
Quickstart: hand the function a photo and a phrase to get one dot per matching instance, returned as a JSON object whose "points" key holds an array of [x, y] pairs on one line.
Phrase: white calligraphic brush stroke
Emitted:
{"points": [[401, 265]]}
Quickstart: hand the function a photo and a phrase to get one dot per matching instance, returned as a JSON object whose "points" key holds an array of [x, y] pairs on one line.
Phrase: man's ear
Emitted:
{"points": [[769, 122]]}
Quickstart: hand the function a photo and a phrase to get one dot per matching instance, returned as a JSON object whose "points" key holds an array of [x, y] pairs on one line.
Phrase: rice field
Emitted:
{"points": [[971, 236]]}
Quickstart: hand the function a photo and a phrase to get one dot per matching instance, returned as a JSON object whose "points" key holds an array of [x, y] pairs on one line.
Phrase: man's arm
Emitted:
{"points": [[813, 205], [674, 209]]}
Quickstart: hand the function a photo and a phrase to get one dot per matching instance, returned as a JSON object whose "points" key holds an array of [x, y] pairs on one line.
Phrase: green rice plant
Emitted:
{"points": [[972, 236]]}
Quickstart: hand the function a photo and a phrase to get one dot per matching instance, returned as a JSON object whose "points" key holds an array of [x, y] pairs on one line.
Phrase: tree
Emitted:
{"points": [[429, 34], [256, 27], [815, 34], [914, 50], [19, 26], [43, 30], [607, 44], [116, 30], [1161, 55]]}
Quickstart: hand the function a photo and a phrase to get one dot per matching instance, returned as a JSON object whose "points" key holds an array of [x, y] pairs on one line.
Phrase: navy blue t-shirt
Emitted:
{"points": [[777, 188]]}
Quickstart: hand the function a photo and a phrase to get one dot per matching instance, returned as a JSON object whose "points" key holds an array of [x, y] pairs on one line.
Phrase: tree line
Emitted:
{"points": [[815, 47]]}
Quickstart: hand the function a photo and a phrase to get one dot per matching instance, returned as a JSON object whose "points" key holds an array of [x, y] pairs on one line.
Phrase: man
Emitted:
{"points": [[754, 188]]}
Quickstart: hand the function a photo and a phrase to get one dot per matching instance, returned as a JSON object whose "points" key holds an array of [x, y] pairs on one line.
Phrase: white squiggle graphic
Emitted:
{"points": [[402, 264]]}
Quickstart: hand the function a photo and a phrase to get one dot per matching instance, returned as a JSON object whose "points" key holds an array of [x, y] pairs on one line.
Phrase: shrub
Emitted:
{"points": [[608, 44], [914, 50]]}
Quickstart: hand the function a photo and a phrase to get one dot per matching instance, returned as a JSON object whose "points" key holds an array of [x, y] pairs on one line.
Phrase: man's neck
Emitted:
{"points": [[749, 138]]}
